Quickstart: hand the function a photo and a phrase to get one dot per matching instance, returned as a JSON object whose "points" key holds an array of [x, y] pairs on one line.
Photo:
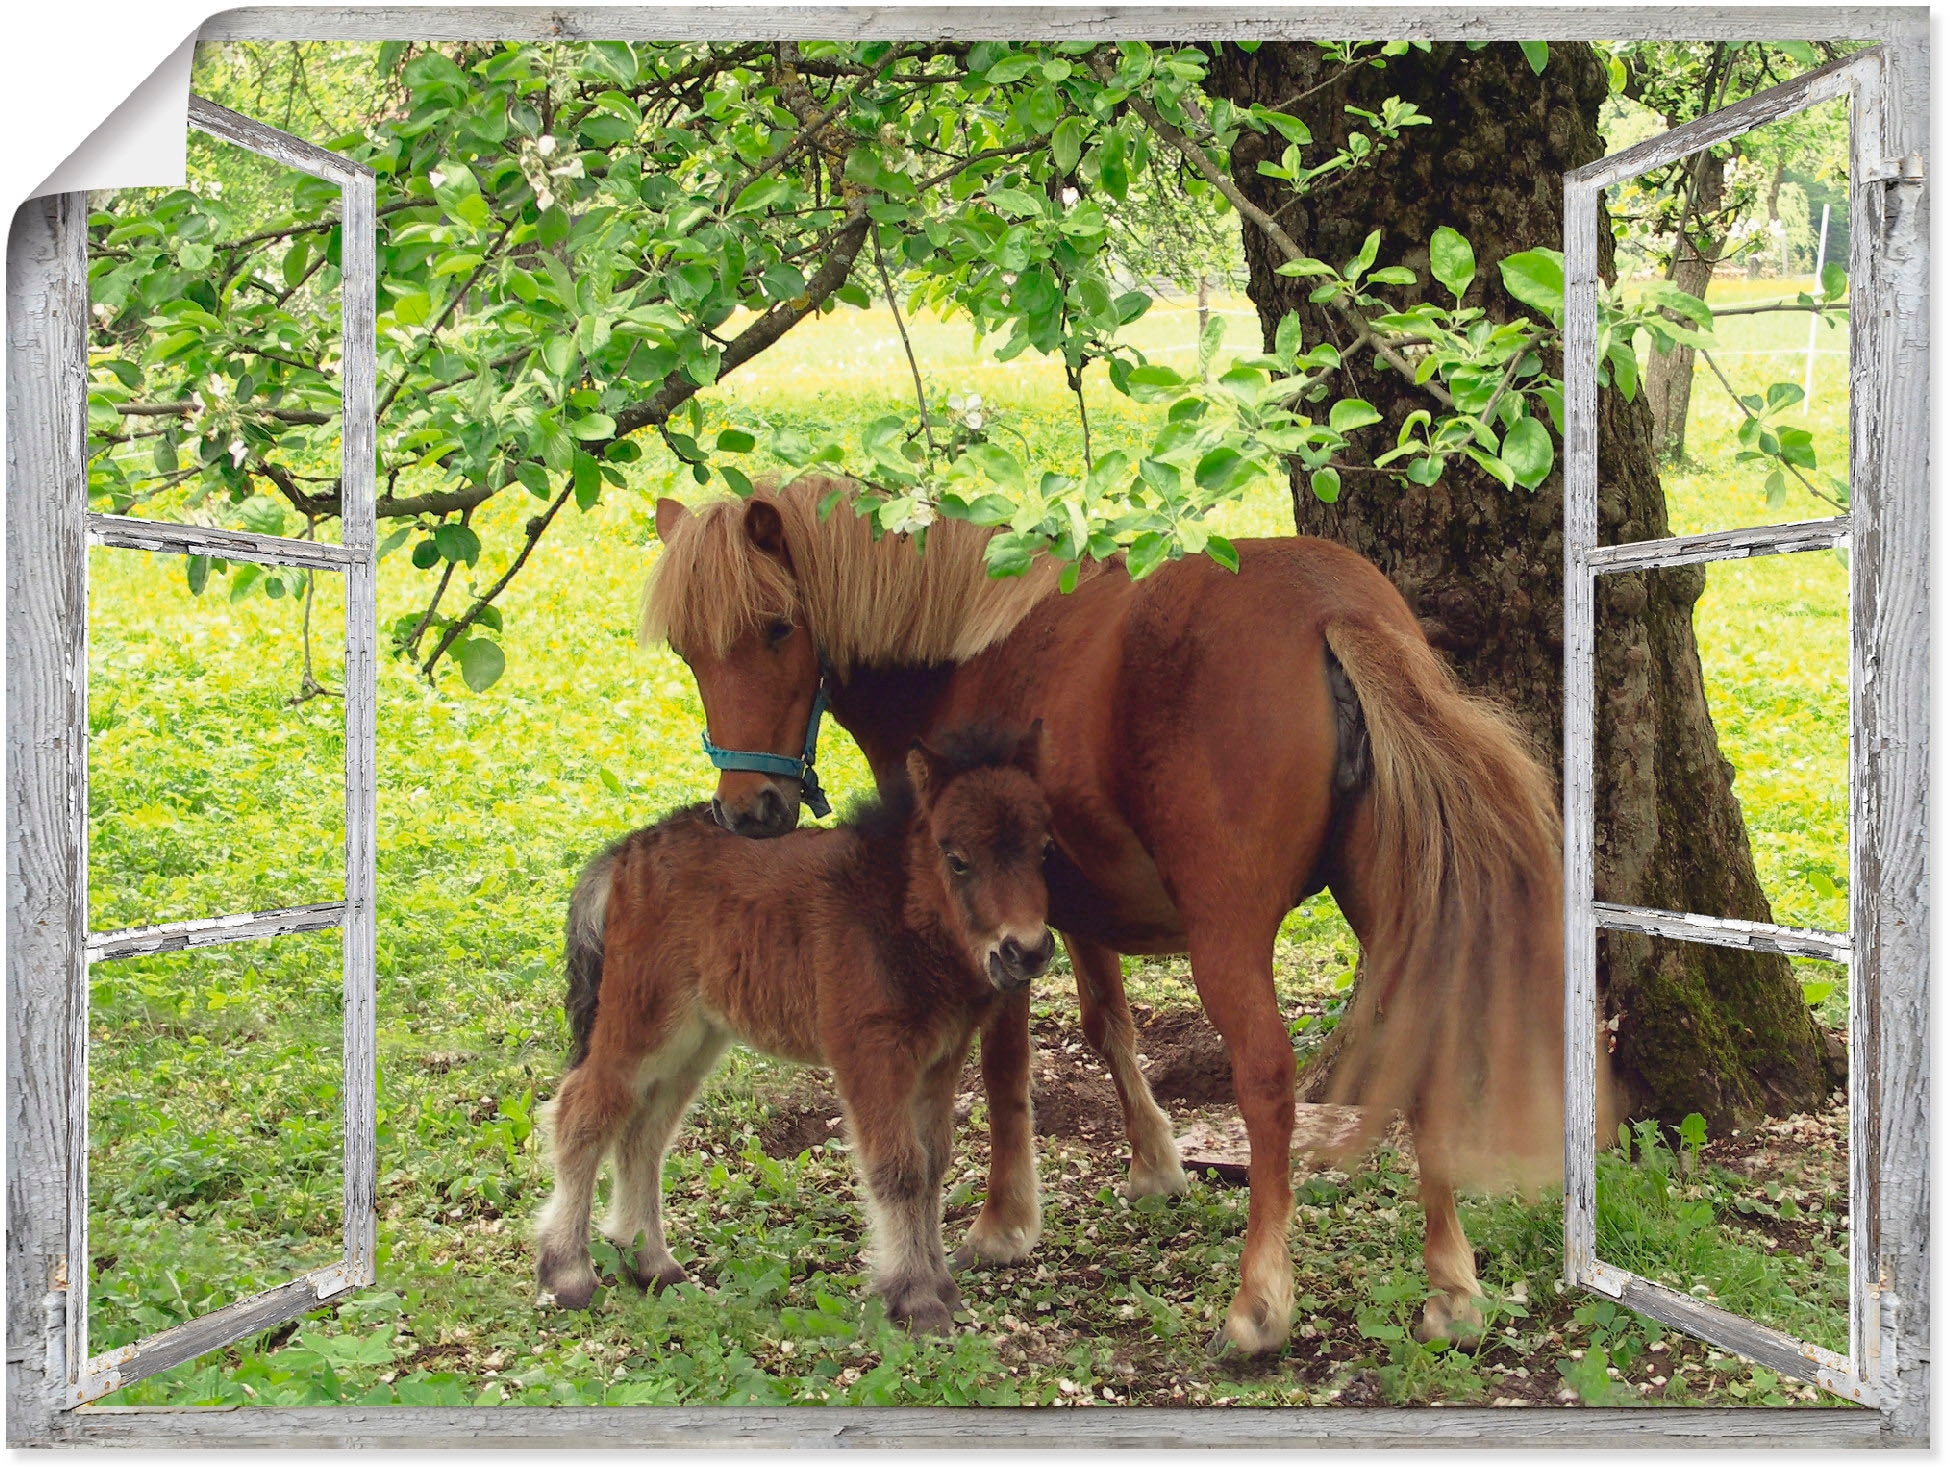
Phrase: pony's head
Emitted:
{"points": [[755, 594], [982, 831], [736, 619]]}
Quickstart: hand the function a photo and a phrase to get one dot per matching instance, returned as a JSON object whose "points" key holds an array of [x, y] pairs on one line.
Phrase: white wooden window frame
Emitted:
{"points": [[46, 539], [1877, 729], [78, 1375]]}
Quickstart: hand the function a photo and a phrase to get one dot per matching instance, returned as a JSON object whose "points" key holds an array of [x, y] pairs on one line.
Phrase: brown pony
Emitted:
{"points": [[1218, 746], [875, 949]]}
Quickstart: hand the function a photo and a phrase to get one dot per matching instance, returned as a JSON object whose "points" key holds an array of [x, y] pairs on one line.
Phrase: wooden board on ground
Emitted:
{"points": [[1219, 1144]]}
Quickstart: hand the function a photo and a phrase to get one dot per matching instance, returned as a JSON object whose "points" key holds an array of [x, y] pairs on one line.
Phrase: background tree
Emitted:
{"points": [[1698, 1028]]}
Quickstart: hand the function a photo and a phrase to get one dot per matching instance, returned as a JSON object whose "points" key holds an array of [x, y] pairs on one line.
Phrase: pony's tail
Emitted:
{"points": [[583, 951], [1459, 1019]]}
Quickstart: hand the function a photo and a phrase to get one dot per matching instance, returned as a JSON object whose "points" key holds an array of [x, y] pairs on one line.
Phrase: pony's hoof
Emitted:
{"points": [[1454, 1319], [1254, 1331], [990, 1243], [1156, 1180], [948, 1294]]}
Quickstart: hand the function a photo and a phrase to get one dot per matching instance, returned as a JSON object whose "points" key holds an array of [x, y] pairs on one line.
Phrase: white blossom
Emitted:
{"points": [[546, 144], [237, 452]]}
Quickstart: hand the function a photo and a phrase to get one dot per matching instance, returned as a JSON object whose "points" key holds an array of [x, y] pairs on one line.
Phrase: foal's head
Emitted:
{"points": [[982, 831]]}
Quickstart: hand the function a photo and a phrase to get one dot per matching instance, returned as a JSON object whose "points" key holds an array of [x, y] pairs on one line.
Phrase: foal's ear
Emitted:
{"points": [[764, 528], [1030, 749], [924, 768], [669, 513]]}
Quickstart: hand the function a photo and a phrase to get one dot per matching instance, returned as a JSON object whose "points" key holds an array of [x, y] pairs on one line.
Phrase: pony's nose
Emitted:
{"points": [[769, 814]]}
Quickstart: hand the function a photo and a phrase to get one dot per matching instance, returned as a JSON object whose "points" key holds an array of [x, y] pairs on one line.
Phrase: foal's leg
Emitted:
{"points": [[636, 1205], [1108, 1030], [935, 1123], [1452, 1312], [879, 1093], [1007, 1227], [1233, 969], [593, 1104]]}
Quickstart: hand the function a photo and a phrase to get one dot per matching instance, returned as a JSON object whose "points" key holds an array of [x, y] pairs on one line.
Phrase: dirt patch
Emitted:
{"points": [[1183, 1058]]}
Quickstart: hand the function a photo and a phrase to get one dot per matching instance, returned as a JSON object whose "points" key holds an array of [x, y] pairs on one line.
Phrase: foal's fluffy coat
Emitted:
{"points": [[876, 948]]}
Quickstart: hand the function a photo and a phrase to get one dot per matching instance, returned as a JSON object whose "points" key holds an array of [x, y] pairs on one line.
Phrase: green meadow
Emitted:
{"points": [[214, 1099]]}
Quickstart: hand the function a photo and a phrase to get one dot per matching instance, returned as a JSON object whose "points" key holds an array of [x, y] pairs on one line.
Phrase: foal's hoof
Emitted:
{"points": [[566, 1288], [948, 1294], [659, 1277], [922, 1307], [1456, 1319]]}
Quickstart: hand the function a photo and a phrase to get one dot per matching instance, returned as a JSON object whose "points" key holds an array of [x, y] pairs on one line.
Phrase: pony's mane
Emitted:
{"points": [[867, 602]]}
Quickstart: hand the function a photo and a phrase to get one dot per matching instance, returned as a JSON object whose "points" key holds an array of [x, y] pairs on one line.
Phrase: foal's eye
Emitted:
{"points": [[956, 863], [778, 633]]}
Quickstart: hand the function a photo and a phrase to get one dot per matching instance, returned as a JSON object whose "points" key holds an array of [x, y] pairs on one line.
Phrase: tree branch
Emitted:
{"points": [[536, 527], [1194, 154]]}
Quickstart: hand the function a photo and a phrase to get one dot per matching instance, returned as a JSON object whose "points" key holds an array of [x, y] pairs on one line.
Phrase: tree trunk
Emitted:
{"points": [[1701, 1029], [1670, 377]]}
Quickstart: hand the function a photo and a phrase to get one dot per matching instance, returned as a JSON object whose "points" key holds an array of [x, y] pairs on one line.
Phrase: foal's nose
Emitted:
{"points": [[1027, 963]]}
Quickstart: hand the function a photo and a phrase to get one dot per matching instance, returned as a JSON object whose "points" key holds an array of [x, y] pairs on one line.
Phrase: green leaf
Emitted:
{"points": [[196, 571], [1537, 278], [1527, 452], [456, 542], [1836, 281], [1365, 257], [1783, 395], [735, 441], [482, 662], [1304, 266], [1066, 144], [1222, 550], [1535, 54], [586, 474], [1327, 485], [1352, 413], [594, 426], [1287, 337], [1217, 469], [1452, 260], [610, 781]]}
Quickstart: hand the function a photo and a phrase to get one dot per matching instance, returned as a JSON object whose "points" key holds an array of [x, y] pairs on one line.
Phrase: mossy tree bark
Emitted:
{"points": [[1698, 1029]]}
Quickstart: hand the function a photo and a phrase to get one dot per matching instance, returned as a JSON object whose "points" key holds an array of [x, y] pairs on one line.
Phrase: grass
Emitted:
{"points": [[214, 1101]]}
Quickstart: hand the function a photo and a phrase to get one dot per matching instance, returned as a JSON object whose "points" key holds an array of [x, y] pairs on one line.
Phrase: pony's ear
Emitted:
{"points": [[1030, 748], [924, 767], [764, 528], [669, 513]]}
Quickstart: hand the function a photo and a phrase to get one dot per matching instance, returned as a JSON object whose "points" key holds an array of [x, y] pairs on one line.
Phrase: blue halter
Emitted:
{"points": [[800, 769]]}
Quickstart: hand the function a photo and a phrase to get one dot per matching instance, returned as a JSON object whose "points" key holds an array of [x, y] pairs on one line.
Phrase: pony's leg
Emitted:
{"points": [[1452, 1311], [1011, 1219], [593, 1104], [636, 1209], [1108, 1030], [1233, 970], [880, 1096]]}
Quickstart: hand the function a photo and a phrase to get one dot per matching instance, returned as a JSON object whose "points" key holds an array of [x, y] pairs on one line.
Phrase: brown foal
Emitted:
{"points": [[876, 949], [1217, 746]]}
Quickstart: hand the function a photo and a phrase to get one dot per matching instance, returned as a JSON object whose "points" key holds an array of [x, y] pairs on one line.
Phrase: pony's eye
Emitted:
{"points": [[778, 633], [956, 863]]}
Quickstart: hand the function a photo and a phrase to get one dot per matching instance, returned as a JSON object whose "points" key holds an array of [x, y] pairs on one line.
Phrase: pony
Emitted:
{"points": [[876, 949], [1219, 745]]}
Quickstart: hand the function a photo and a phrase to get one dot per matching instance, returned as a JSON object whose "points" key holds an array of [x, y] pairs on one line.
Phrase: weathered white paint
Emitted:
{"points": [[1888, 533], [276, 922]]}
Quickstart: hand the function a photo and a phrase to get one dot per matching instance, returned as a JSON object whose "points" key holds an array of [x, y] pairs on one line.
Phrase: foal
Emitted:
{"points": [[875, 949]]}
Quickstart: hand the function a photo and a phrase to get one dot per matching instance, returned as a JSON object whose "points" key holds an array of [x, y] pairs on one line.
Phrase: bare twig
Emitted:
{"points": [[914, 369]]}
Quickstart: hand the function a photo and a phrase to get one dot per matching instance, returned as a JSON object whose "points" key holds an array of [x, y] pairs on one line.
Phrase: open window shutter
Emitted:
{"points": [[89, 1377], [1879, 725]]}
